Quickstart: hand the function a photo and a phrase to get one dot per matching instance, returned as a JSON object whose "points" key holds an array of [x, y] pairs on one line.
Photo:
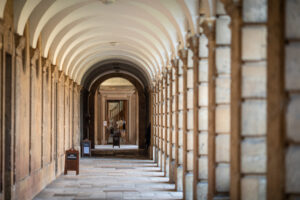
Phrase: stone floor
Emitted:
{"points": [[122, 147], [112, 178]]}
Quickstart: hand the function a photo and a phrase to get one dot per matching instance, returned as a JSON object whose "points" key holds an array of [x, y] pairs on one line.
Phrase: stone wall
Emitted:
{"points": [[41, 121]]}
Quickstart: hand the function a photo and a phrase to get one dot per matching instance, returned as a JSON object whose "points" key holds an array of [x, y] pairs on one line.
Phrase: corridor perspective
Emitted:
{"points": [[151, 99]]}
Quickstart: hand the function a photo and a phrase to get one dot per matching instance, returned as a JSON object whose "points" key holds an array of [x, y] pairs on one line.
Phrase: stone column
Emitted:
{"points": [[249, 72], [160, 144], [194, 46], [188, 118], [222, 102], [35, 113], [183, 54], [233, 9], [283, 178], [202, 187], [165, 122], [46, 105], [156, 144], [209, 31], [170, 124]]}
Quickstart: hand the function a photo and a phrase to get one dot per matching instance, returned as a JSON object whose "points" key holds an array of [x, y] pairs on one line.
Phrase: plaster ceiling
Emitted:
{"points": [[116, 82], [76, 34]]}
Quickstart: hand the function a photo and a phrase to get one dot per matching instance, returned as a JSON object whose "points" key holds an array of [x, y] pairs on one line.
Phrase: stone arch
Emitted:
{"points": [[99, 74]]}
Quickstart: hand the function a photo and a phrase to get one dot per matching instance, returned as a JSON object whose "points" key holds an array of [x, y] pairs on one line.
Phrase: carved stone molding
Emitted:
{"points": [[54, 71], [183, 53], [34, 58], [8, 40], [20, 47], [61, 76], [79, 88], [19, 54], [33, 61], [208, 26], [232, 8], [194, 44], [174, 63], [46, 65]]}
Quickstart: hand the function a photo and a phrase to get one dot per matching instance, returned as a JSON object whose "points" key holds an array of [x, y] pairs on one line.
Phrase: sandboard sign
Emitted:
{"points": [[86, 148], [72, 161]]}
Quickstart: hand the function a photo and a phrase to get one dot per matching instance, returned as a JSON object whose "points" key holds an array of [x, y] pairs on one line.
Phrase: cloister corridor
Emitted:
{"points": [[150, 99], [112, 178]]}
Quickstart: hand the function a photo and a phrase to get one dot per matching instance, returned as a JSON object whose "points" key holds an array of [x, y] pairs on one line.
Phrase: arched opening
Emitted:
{"points": [[113, 88], [116, 107]]}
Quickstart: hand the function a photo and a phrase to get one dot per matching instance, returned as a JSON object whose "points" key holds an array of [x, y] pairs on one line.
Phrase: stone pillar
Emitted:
{"points": [[171, 127], [209, 31], [188, 102], [156, 144], [248, 141], [283, 92], [222, 102], [183, 54], [165, 122], [194, 46], [160, 140], [35, 112], [202, 186], [46, 113]]}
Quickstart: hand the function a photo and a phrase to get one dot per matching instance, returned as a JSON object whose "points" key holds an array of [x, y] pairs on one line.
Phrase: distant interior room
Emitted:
{"points": [[116, 113]]}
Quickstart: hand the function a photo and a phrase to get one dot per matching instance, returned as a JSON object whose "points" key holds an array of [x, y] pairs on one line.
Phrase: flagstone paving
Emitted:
{"points": [[112, 178]]}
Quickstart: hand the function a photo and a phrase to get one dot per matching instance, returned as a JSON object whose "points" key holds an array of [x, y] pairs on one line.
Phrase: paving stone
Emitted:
{"points": [[122, 179]]}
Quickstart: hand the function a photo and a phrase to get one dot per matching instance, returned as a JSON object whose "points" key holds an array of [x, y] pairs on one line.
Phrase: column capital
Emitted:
{"points": [[208, 26], [46, 65], [231, 7], [183, 54], [66, 77], [194, 44], [53, 70], [60, 76], [34, 58], [20, 47], [79, 88]]}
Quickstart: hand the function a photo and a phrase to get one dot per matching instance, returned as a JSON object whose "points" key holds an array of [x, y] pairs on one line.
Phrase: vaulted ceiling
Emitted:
{"points": [[77, 34]]}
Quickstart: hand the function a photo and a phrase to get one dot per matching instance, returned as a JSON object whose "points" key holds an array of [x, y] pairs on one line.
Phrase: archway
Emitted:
{"points": [[102, 72]]}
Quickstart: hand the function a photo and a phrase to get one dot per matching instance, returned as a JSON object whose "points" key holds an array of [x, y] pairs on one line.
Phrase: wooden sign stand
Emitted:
{"points": [[72, 161]]}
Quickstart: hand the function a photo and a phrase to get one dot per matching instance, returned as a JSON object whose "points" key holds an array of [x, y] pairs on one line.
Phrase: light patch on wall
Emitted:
{"points": [[116, 82]]}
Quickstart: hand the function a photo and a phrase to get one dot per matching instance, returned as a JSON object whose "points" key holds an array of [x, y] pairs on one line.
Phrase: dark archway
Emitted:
{"points": [[101, 72]]}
